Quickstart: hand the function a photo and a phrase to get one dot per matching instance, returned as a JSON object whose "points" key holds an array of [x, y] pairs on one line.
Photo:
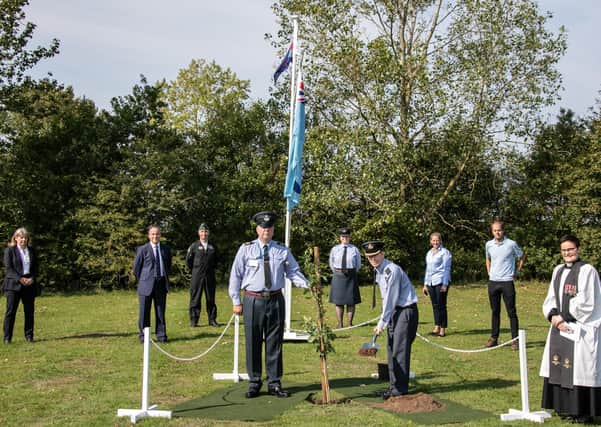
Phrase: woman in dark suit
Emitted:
{"points": [[21, 269]]}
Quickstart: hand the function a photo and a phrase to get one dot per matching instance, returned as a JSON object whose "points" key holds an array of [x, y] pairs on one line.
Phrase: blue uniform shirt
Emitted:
{"points": [[396, 290], [502, 257], [353, 257], [438, 267], [247, 271]]}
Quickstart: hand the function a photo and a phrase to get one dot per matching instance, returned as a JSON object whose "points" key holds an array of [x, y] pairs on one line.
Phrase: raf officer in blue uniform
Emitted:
{"points": [[345, 263], [256, 282], [399, 316]]}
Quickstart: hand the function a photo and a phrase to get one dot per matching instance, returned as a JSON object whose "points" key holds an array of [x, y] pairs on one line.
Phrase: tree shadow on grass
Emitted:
{"points": [[98, 335], [480, 384]]}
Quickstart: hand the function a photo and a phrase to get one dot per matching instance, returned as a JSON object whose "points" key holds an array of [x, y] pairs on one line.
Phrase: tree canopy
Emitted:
{"points": [[412, 110], [15, 35]]}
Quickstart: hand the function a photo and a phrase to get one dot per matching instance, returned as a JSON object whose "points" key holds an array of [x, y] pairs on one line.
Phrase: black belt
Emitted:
{"points": [[264, 294], [400, 307], [341, 270]]}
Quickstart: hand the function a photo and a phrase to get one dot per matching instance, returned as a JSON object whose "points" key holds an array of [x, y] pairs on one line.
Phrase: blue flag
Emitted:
{"points": [[286, 61], [294, 177]]}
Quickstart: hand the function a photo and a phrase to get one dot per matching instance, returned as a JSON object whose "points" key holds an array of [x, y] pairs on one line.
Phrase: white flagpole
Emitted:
{"points": [[290, 129], [288, 335]]}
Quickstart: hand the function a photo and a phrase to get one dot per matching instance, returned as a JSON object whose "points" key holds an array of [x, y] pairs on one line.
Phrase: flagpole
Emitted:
{"points": [[288, 335], [295, 49]]}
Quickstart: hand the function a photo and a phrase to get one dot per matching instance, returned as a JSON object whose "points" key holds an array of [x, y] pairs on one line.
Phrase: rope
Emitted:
{"points": [[367, 322], [456, 350], [190, 359]]}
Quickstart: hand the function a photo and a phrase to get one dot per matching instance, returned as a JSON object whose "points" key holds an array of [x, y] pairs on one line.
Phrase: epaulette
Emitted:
{"points": [[247, 243]]}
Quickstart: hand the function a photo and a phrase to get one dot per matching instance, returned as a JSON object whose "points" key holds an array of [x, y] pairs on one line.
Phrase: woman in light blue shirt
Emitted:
{"points": [[436, 282]]}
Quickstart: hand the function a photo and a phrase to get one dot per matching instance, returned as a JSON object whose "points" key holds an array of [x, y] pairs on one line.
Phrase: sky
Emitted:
{"points": [[107, 44]]}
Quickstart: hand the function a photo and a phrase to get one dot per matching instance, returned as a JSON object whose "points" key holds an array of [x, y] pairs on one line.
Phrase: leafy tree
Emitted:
{"points": [[408, 101], [552, 190], [15, 34], [232, 162], [584, 193], [141, 188], [53, 145]]}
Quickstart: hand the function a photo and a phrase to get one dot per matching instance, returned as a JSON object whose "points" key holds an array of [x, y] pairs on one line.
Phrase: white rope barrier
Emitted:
{"points": [[367, 322], [457, 350], [513, 414], [191, 359]]}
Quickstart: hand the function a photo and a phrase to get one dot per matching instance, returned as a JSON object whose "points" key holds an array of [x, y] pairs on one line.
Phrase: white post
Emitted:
{"points": [[235, 375], [525, 413], [523, 370], [145, 411], [146, 363]]}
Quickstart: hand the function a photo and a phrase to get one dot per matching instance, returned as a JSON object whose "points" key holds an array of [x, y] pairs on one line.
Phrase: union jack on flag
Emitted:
{"points": [[286, 61]]}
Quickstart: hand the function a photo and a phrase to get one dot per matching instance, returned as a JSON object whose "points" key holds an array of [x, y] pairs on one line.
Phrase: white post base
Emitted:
{"points": [[514, 414], [138, 414], [524, 414], [233, 376], [146, 411], [376, 376], [293, 336]]}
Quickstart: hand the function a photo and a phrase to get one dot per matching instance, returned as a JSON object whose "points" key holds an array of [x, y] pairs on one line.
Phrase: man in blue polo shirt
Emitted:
{"points": [[501, 253]]}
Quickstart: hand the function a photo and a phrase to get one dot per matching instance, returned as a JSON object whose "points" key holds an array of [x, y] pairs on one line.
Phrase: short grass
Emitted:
{"points": [[86, 361]]}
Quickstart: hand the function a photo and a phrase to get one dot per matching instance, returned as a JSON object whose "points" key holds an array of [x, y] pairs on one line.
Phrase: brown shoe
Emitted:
{"points": [[515, 345], [492, 342]]}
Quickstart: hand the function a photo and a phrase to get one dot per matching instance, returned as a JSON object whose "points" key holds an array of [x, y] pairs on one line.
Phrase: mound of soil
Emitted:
{"points": [[419, 402], [368, 352]]}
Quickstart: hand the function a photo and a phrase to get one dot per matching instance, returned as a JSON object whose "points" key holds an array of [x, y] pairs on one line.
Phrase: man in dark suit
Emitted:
{"points": [[152, 266], [201, 259]]}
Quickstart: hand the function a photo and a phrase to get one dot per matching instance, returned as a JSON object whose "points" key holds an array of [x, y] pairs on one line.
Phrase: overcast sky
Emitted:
{"points": [[107, 44]]}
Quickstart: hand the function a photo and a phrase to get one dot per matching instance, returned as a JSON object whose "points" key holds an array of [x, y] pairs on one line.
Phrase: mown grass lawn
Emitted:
{"points": [[86, 361]]}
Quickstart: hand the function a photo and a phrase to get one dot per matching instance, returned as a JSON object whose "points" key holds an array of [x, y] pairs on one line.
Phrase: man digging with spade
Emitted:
{"points": [[399, 316]]}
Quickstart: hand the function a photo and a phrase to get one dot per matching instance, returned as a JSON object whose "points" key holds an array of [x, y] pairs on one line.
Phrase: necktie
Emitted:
{"points": [[266, 268], [157, 260], [344, 258]]}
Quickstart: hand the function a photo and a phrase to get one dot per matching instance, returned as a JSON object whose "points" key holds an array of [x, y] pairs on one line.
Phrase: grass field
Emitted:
{"points": [[86, 361]]}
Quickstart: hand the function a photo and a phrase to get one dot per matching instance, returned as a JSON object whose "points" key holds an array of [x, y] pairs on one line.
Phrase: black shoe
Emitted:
{"points": [[162, 339], [214, 323], [194, 323], [6, 341], [253, 390], [29, 339], [582, 419], [277, 390], [387, 394], [492, 342]]}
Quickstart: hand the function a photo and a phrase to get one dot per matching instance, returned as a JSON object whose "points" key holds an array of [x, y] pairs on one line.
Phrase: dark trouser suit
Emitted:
{"points": [[27, 295], [159, 297], [495, 291], [197, 288], [264, 317], [401, 333], [439, 304]]}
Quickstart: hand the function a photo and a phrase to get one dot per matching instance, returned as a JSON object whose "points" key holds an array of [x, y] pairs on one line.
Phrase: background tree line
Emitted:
{"points": [[413, 110]]}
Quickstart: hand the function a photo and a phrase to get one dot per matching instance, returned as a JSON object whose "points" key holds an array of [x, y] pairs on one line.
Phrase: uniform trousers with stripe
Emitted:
{"points": [[401, 334], [264, 322]]}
